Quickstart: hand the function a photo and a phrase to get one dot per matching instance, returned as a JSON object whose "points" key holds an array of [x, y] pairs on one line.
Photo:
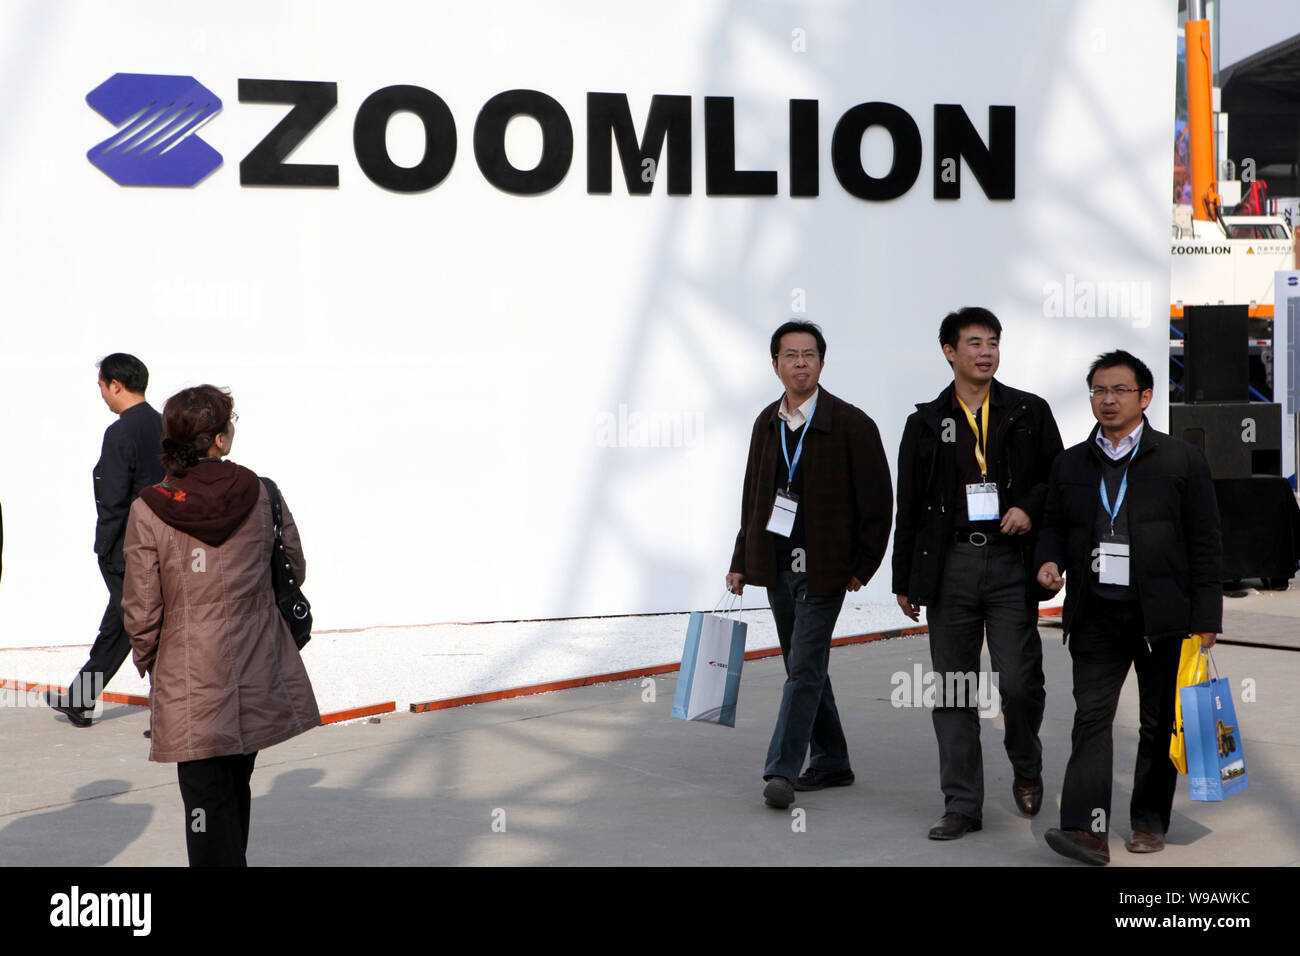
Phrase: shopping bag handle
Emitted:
{"points": [[734, 603], [1213, 666]]}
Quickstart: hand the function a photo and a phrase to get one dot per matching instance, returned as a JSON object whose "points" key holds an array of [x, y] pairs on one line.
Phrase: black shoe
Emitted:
{"points": [[1079, 845], [79, 717], [778, 793], [1028, 794], [951, 826], [820, 779], [149, 734]]}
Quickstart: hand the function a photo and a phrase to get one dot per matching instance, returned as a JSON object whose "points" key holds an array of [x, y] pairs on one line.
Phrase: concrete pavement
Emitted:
{"points": [[602, 775]]}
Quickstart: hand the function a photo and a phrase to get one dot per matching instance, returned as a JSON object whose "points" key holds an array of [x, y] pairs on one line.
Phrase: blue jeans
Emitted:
{"points": [[808, 718]]}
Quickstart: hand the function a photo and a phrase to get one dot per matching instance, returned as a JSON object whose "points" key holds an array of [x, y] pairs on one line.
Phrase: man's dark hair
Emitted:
{"points": [[1120, 357], [127, 369], [951, 327], [795, 325]]}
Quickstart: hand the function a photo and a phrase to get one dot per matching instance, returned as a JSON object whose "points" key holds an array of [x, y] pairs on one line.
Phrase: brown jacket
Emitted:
{"points": [[847, 494], [226, 676]]}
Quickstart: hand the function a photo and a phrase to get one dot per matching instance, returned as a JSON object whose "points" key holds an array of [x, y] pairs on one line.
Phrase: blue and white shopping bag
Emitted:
{"points": [[1216, 762], [709, 685]]}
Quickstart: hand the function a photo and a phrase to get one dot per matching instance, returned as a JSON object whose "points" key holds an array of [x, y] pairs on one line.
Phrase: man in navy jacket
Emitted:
{"points": [[1132, 523], [128, 463]]}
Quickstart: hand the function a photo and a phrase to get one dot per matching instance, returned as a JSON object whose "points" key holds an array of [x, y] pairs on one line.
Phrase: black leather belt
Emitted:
{"points": [[981, 538]]}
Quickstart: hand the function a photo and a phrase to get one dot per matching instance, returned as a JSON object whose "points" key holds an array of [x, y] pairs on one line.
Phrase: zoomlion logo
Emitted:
{"points": [[156, 119], [722, 664]]}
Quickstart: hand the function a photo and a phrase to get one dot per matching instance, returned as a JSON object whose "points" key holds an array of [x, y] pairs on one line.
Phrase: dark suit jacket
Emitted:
{"points": [[128, 463], [1026, 442], [1173, 521], [847, 498]]}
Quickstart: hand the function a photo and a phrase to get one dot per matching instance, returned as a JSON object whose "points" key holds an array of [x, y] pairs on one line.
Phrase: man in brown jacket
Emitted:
{"points": [[815, 516]]}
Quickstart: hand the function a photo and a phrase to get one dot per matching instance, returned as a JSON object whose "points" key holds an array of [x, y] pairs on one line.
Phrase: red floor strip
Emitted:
{"points": [[529, 690]]}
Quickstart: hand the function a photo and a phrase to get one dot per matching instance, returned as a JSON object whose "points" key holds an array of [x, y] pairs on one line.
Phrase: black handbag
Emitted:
{"points": [[292, 602]]}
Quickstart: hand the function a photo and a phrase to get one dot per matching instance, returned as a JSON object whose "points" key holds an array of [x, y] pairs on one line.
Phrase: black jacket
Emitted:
{"points": [[1173, 522], [128, 463], [1026, 441]]}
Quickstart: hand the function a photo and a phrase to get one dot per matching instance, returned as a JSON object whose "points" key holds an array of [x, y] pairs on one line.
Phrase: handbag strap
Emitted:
{"points": [[274, 493]]}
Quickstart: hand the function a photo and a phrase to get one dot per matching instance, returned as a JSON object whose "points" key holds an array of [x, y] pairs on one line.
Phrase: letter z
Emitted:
{"points": [[312, 102]]}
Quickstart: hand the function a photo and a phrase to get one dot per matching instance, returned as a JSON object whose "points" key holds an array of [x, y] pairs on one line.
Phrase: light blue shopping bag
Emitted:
{"points": [[1216, 762], [709, 684]]}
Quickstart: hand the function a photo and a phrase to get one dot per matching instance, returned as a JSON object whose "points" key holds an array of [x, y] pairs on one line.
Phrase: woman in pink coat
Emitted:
{"points": [[227, 679]]}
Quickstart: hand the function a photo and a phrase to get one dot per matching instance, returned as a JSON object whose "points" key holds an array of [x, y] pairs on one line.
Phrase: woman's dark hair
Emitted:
{"points": [[192, 419]]}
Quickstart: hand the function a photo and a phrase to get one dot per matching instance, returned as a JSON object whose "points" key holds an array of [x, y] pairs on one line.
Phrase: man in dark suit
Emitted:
{"points": [[128, 463], [1132, 523], [972, 478], [815, 515]]}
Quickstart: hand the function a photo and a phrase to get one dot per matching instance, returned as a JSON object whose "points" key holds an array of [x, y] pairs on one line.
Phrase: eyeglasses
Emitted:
{"points": [[808, 355], [1119, 391], [234, 417]]}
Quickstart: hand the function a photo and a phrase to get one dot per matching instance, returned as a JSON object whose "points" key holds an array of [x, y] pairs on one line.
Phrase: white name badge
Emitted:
{"points": [[982, 501], [1112, 561], [783, 512]]}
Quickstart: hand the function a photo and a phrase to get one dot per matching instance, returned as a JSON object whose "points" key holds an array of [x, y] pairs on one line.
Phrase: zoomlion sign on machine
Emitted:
{"points": [[1228, 259]]}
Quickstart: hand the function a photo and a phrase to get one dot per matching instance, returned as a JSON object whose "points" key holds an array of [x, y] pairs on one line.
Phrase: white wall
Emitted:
{"points": [[425, 374]]}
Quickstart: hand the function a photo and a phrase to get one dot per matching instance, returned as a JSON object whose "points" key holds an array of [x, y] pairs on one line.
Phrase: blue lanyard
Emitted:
{"points": [[1119, 498], [790, 466]]}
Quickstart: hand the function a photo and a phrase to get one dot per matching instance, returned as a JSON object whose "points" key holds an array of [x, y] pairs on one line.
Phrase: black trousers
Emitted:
{"points": [[983, 598], [808, 721], [111, 647], [1106, 639], [217, 801]]}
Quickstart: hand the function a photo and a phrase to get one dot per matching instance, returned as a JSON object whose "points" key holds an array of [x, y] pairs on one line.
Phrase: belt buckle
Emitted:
{"points": [[983, 538]]}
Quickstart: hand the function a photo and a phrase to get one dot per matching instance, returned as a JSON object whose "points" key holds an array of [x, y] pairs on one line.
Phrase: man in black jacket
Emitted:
{"points": [[1133, 524], [128, 463], [972, 478]]}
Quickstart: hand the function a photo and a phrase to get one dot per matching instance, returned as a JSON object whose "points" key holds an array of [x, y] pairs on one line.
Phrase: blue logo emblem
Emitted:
{"points": [[156, 119], [1291, 280]]}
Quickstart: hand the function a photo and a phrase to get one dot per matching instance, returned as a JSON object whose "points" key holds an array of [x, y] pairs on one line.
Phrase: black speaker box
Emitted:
{"points": [[1239, 439], [1261, 529], [1217, 353]]}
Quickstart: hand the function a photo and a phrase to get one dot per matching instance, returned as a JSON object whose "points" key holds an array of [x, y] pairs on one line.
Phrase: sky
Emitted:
{"points": [[1249, 26]]}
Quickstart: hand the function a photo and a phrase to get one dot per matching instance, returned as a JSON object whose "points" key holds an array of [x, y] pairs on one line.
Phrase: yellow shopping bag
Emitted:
{"points": [[1192, 669]]}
